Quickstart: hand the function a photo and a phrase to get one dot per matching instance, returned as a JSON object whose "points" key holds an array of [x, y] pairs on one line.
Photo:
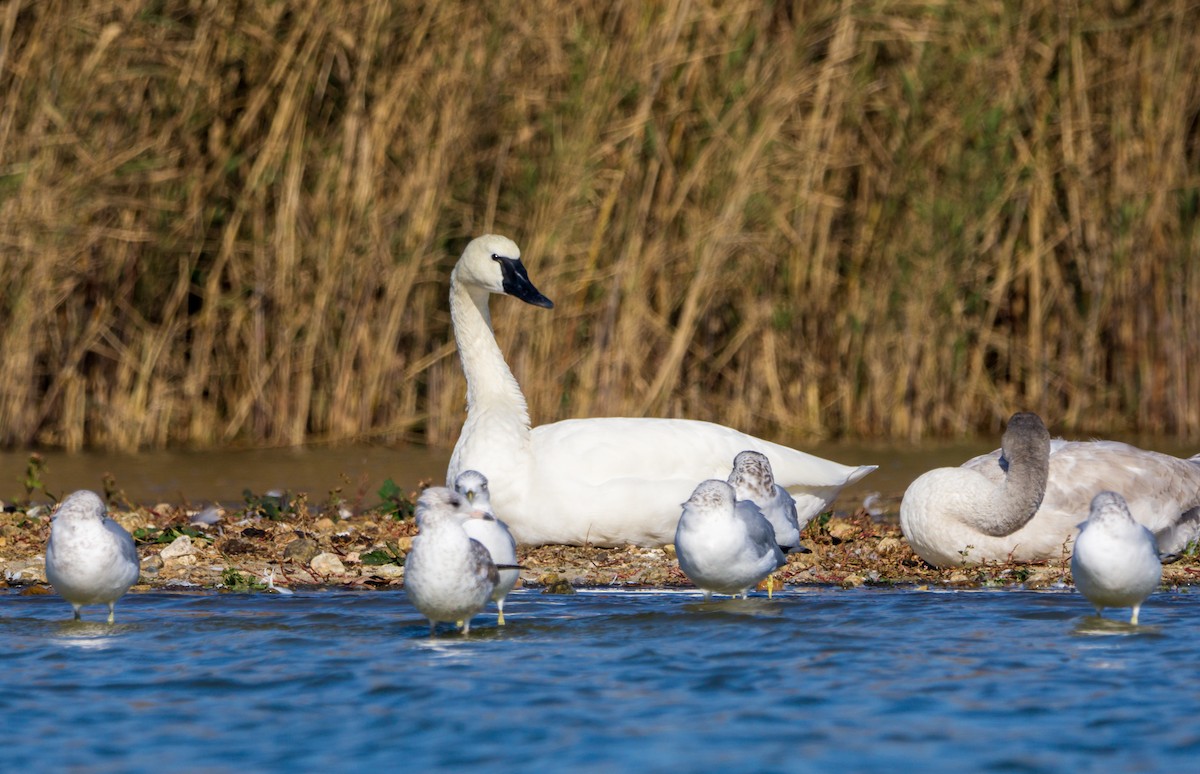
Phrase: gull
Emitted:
{"points": [[90, 559], [752, 479], [604, 481], [1115, 563], [491, 532], [723, 545], [1024, 501], [448, 576]]}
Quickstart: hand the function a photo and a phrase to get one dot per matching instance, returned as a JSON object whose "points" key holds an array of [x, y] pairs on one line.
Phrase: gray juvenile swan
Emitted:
{"points": [[1115, 563], [600, 481], [1026, 499]]}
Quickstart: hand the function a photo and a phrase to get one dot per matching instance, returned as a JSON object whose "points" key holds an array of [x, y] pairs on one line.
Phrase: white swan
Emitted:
{"points": [[491, 532], [599, 481], [1025, 500], [90, 559], [447, 575], [1115, 562], [725, 545]]}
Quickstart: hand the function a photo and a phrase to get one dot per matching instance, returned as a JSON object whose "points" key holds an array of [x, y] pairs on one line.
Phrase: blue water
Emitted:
{"points": [[824, 679]]}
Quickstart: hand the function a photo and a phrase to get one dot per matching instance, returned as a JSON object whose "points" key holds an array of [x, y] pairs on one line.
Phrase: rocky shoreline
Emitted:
{"points": [[263, 547]]}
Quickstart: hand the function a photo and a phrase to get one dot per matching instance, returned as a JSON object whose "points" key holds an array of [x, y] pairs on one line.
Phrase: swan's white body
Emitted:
{"points": [[491, 532], [1115, 563], [447, 575], [90, 559], [599, 481], [725, 546], [948, 514]]}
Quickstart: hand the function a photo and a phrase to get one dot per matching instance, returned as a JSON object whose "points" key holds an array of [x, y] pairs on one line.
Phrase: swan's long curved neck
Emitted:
{"points": [[491, 385], [1016, 500]]}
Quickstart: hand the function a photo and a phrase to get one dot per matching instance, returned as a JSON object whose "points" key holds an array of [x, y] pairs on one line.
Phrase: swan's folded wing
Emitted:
{"points": [[1163, 492], [597, 450]]}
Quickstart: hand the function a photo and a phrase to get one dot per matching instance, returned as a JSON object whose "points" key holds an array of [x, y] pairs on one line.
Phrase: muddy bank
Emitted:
{"points": [[288, 543]]}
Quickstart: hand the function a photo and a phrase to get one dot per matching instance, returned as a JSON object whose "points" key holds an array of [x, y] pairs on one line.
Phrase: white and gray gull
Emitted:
{"points": [[752, 479], [491, 532], [723, 545], [448, 576], [90, 559], [1115, 562]]}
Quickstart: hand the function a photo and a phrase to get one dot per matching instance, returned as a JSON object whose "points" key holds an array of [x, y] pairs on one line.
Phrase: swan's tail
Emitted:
{"points": [[1175, 537], [863, 470]]}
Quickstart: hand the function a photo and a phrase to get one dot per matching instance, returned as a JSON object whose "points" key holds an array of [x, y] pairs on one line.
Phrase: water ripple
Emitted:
{"points": [[856, 680]]}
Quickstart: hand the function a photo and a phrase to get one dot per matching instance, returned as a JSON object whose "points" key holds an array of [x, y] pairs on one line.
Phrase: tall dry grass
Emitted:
{"points": [[234, 222]]}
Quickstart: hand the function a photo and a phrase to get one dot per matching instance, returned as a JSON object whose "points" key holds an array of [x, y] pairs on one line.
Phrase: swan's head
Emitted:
{"points": [[473, 485], [493, 263], [1026, 439], [752, 475], [84, 504]]}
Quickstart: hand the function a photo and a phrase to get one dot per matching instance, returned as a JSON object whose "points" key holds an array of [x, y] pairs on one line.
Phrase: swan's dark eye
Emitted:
{"points": [[495, 257]]}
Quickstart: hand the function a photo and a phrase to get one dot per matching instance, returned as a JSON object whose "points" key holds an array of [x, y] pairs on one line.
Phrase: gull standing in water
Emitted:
{"points": [[90, 559], [725, 546], [448, 576], [491, 532], [1115, 563]]}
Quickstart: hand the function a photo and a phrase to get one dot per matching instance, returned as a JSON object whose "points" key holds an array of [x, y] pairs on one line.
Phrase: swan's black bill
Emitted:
{"points": [[517, 284]]}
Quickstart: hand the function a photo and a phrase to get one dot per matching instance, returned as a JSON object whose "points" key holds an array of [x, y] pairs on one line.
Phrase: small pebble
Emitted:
{"points": [[387, 571], [327, 564], [180, 547]]}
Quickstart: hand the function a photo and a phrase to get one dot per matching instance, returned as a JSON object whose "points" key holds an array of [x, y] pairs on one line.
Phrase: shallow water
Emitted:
{"points": [[201, 477], [822, 679]]}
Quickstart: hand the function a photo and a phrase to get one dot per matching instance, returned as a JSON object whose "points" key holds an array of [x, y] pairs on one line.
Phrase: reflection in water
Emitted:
{"points": [[1094, 625], [88, 635]]}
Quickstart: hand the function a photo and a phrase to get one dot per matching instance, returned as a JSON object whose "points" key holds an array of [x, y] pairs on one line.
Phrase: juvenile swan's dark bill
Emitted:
{"points": [[517, 284]]}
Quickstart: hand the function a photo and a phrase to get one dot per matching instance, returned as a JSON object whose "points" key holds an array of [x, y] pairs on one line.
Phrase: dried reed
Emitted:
{"points": [[234, 222]]}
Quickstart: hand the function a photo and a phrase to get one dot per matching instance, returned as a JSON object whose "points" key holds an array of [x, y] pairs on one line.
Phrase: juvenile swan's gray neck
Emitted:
{"points": [[491, 386], [1026, 446]]}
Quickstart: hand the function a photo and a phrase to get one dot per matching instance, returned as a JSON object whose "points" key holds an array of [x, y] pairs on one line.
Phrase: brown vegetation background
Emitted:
{"points": [[233, 222]]}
